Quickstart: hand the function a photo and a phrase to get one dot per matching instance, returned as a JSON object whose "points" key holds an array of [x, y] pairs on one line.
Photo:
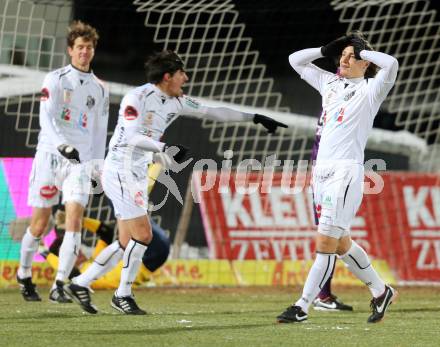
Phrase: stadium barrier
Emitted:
{"points": [[266, 238]]}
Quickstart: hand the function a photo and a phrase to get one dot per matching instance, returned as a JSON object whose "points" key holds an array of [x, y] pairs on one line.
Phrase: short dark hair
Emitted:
{"points": [[372, 68], [158, 64], [80, 29]]}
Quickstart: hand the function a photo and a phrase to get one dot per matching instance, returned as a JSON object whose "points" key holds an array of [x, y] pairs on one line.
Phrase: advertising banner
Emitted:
{"points": [[400, 225]]}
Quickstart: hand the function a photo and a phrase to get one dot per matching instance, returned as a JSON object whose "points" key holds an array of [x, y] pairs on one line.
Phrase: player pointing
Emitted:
{"points": [[73, 120], [144, 115], [350, 101]]}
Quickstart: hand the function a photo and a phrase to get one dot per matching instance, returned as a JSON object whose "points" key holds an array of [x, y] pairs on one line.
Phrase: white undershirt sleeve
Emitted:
{"points": [[145, 142]]}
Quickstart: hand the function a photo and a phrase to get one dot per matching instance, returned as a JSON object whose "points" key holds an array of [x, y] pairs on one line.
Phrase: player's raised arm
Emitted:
{"points": [[384, 80], [301, 62]]}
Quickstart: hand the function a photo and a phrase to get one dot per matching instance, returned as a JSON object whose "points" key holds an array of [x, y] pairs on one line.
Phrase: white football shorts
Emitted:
{"points": [[52, 174], [127, 192], [337, 193]]}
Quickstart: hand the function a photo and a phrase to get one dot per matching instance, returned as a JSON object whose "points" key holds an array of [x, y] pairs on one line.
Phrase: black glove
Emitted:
{"points": [[270, 124], [96, 187], [69, 152], [335, 48], [358, 44], [178, 156]]}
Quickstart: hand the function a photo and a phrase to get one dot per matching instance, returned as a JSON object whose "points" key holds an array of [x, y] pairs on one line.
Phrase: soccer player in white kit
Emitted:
{"points": [[350, 101], [144, 115], [73, 120]]}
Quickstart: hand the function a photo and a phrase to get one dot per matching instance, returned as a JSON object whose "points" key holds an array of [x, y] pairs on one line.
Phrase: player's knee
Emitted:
{"points": [[39, 226], [146, 237], [74, 224], [37, 230], [328, 238], [344, 245]]}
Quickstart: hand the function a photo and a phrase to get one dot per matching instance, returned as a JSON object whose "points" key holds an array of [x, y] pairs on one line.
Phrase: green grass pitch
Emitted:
{"points": [[219, 317]]}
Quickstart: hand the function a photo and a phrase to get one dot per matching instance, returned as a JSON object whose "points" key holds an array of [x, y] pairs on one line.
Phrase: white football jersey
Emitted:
{"points": [[348, 105], [146, 112], [74, 110]]}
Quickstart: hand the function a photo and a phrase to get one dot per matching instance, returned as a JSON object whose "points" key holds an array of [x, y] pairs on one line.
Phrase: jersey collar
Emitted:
{"points": [[354, 80], [160, 93], [81, 74]]}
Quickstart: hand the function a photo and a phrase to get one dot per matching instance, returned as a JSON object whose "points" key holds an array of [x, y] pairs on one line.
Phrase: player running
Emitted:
{"points": [[144, 115], [73, 121], [350, 101]]}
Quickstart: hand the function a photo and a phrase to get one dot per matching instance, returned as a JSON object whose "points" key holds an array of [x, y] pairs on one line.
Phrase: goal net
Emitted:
{"points": [[225, 69]]}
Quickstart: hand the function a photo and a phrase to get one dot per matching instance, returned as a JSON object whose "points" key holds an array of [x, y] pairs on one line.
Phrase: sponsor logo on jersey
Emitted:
{"points": [[170, 116], [48, 192], [318, 209], [192, 103], [327, 201], [106, 106], [329, 97], [44, 94], [65, 114], [90, 102], [349, 95], [82, 121], [130, 113], [341, 115], [139, 199], [149, 119], [67, 96], [149, 133]]}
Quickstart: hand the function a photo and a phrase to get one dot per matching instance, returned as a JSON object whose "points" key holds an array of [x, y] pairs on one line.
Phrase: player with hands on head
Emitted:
{"points": [[73, 120], [144, 115], [350, 101]]}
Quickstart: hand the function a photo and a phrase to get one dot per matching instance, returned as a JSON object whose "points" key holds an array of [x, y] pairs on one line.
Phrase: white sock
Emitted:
{"points": [[103, 263], [321, 270], [132, 261], [359, 264], [29, 245], [68, 253]]}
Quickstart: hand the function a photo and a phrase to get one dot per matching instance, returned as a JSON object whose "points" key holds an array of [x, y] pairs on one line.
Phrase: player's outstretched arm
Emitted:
{"points": [[270, 124], [226, 114]]}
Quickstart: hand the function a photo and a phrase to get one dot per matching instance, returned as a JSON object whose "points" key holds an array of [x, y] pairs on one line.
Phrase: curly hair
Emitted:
{"points": [[80, 29]]}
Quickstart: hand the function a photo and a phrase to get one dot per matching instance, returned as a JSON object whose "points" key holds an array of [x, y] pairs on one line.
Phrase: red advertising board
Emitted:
{"points": [[400, 225]]}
